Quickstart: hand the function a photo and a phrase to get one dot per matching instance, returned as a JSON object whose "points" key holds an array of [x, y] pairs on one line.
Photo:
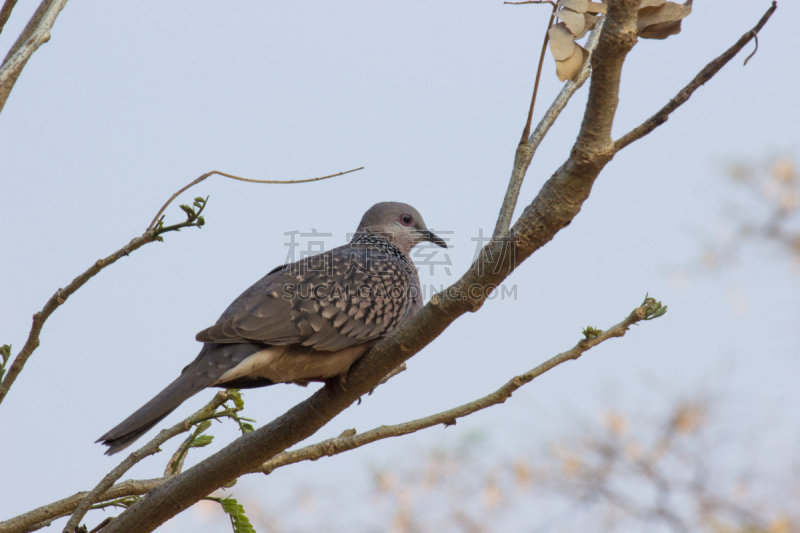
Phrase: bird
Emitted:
{"points": [[304, 321]]}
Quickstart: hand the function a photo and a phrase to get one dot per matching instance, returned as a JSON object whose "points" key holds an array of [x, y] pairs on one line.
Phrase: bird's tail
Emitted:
{"points": [[151, 413]]}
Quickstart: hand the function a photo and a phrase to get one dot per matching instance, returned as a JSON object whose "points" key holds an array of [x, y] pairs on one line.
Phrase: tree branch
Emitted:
{"points": [[555, 206], [702, 77], [344, 443], [151, 234], [35, 34], [525, 151], [5, 12], [145, 451]]}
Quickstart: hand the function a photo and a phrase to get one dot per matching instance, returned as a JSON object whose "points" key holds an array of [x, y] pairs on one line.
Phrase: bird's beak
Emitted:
{"points": [[429, 236]]}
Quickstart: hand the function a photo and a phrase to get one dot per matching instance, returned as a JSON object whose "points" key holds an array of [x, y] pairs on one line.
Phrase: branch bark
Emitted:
{"points": [[35, 34], [554, 208], [151, 234]]}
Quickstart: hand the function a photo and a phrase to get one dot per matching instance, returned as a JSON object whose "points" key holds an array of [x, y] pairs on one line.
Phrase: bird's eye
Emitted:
{"points": [[406, 220]]}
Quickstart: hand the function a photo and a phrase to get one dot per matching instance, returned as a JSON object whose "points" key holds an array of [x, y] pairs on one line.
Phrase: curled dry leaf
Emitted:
{"points": [[562, 45], [659, 22], [576, 5], [661, 31], [570, 68], [573, 20]]}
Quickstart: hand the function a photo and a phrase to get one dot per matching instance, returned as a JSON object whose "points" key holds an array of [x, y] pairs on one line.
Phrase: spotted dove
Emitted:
{"points": [[305, 321]]}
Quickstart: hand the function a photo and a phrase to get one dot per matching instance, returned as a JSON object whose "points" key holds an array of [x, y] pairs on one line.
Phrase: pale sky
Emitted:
{"points": [[131, 100]]}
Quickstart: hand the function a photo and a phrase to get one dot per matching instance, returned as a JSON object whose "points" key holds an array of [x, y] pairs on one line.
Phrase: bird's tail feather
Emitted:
{"points": [[150, 414]]}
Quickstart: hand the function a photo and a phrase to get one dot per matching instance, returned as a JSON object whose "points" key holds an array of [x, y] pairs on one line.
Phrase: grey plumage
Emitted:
{"points": [[306, 321]]}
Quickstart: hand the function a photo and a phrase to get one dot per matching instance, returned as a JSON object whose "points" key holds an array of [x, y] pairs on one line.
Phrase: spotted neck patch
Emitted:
{"points": [[379, 243]]}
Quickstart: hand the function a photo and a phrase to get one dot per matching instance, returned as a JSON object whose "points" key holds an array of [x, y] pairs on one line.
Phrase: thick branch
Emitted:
{"points": [[555, 207], [525, 151], [702, 77], [61, 295], [35, 34], [344, 443]]}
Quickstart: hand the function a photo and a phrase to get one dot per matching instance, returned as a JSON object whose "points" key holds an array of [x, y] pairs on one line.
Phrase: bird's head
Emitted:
{"points": [[398, 223]]}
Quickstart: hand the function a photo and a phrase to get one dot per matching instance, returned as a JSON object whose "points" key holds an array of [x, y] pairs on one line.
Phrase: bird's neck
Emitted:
{"points": [[382, 244]]}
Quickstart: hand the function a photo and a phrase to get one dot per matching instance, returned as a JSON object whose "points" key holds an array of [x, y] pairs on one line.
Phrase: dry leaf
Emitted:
{"points": [[576, 5], [668, 12], [573, 20], [596, 7], [661, 31], [590, 21], [571, 67], [650, 3], [562, 45]]}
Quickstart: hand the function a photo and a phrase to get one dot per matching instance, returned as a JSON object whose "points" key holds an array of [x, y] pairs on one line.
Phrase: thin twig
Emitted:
{"points": [[148, 449], [207, 174], [755, 36], [448, 418], [527, 129], [102, 524], [702, 77], [525, 151], [175, 464], [5, 12]]}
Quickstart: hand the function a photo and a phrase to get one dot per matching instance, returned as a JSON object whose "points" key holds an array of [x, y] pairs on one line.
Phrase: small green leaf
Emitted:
{"points": [[202, 440], [202, 426], [590, 333], [239, 521], [229, 485]]}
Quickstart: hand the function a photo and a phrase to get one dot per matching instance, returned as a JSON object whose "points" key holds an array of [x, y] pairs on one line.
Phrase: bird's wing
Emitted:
{"points": [[347, 296]]}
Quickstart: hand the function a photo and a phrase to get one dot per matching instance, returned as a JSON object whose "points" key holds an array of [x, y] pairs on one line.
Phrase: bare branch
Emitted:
{"points": [[35, 34], [525, 151], [44, 515], [448, 418], [148, 449], [5, 12], [207, 174], [702, 77]]}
